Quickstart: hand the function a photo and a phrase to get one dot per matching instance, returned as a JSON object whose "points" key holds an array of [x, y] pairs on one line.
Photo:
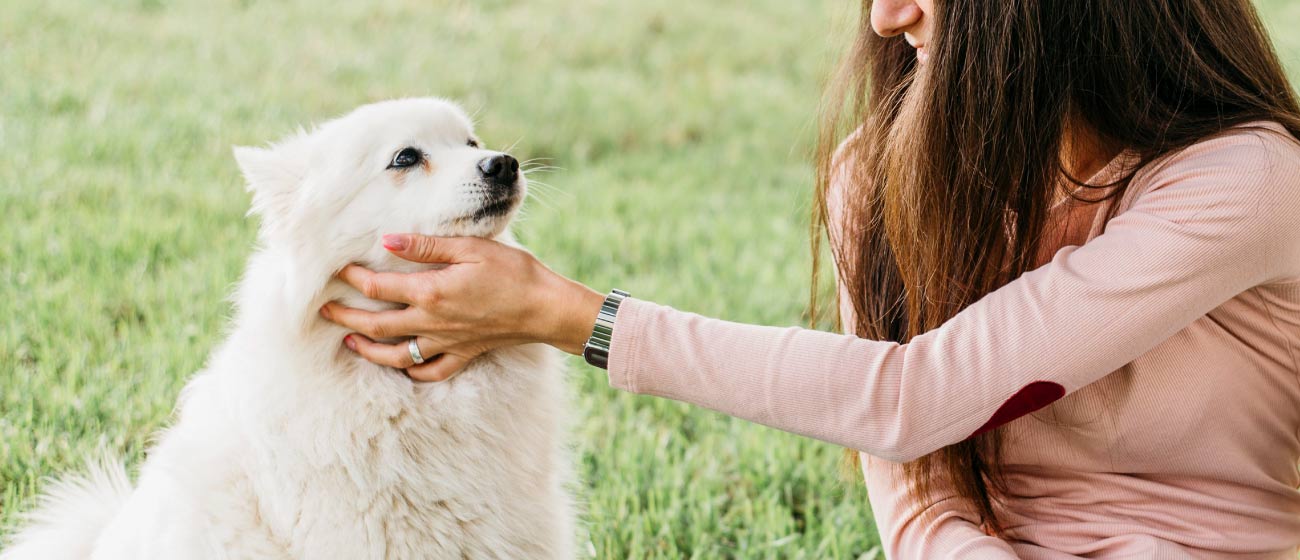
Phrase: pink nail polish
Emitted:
{"points": [[394, 242], [351, 344]]}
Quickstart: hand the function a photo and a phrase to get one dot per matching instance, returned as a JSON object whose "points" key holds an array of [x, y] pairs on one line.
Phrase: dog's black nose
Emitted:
{"points": [[500, 169]]}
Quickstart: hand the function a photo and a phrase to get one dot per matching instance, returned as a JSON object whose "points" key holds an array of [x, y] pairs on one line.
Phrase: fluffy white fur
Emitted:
{"points": [[287, 445]]}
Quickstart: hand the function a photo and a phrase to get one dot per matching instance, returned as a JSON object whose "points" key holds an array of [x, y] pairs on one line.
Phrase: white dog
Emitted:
{"points": [[288, 445]]}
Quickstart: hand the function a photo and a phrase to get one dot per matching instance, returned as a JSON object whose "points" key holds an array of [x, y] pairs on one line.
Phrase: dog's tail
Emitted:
{"points": [[71, 514]]}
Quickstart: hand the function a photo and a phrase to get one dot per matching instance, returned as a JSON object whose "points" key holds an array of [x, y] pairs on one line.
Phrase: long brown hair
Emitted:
{"points": [[953, 168]]}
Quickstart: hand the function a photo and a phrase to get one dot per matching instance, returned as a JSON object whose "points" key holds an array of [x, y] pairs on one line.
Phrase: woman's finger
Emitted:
{"points": [[425, 249], [442, 368], [386, 286], [374, 324], [392, 355], [379, 353]]}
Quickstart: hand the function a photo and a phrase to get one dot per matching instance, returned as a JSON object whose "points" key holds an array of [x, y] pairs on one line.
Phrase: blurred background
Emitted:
{"points": [[682, 131]]}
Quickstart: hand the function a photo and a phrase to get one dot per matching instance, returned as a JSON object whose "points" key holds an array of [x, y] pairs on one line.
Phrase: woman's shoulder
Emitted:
{"points": [[1260, 151], [845, 179], [1244, 181]]}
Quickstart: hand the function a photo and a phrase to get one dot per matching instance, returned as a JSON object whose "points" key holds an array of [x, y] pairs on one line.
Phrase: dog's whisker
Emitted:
{"points": [[542, 197], [535, 164], [549, 205], [546, 186], [513, 145], [548, 200], [548, 197], [473, 117], [554, 195]]}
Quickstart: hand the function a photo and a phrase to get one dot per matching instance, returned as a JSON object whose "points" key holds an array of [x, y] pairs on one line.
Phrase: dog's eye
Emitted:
{"points": [[471, 143], [406, 158]]}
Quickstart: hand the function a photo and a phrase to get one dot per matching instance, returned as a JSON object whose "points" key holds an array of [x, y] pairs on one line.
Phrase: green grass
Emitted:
{"points": [[682, 128]]}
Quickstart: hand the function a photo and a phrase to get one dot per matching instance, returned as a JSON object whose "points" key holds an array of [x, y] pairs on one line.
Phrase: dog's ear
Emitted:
{"points": [[273, 175]]}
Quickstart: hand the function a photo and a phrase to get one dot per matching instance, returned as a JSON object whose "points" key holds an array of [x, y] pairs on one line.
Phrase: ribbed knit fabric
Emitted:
{"points": [[1174, 330]]}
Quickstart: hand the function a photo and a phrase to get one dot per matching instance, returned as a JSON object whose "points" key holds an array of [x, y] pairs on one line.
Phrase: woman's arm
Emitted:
{"points": [[941, 526], [1212, 222]]}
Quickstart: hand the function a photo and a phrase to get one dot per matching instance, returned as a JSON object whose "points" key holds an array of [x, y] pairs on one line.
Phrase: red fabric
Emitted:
{"points": [[1034, 396]]}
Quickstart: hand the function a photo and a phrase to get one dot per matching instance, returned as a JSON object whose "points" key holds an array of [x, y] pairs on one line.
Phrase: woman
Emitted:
{"points": [[1088, 209]]}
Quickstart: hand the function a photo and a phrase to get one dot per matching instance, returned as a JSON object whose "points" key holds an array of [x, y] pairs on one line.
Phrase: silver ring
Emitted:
{"points": [[415, 351]]}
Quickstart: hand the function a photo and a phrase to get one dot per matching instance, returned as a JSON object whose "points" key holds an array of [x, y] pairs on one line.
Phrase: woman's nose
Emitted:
{"points": [[891, 17]]}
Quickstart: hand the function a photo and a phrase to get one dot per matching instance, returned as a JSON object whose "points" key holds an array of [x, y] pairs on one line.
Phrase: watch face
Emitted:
{"points": [[596, 357]]}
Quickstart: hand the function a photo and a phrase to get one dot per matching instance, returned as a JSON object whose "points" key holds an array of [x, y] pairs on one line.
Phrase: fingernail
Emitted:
{"points": [[325, 311], [394, 242], [351, 344]]}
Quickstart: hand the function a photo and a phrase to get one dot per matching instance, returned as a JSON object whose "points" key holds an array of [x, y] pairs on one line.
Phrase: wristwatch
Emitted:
{"points": [[596, 351]]}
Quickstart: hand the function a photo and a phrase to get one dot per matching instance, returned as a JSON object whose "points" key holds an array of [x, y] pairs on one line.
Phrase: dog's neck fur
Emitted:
{"points": [[304, 279], [288, 315]]}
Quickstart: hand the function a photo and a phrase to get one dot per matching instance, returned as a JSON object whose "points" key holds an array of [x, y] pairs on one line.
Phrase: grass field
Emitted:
{"points": [[682, 128]]}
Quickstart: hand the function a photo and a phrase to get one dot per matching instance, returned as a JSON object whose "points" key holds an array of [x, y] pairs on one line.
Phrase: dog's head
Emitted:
{"points": [[408, 165]]}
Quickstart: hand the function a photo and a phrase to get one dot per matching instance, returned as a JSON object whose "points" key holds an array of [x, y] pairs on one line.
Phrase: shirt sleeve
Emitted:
{"points": [[1203, 226], [939, 527]]}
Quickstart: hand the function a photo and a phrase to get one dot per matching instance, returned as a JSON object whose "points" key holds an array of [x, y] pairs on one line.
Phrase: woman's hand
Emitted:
{"points": [[489, 295]]}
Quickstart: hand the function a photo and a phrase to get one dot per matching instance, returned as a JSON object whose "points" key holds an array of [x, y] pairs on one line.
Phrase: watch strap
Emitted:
{"points": [[596, 351]]}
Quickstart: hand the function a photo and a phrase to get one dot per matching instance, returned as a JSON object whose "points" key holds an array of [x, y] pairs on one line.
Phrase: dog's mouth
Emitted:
{"points": [[495, 207], [491, 212]]}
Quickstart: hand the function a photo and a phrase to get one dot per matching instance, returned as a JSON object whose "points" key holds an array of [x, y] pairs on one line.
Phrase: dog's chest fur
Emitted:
{"points": [[359, 462]]}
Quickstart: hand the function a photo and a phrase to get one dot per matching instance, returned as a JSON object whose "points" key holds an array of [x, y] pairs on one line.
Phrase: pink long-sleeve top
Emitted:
{"points": [[1171, 330]]}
